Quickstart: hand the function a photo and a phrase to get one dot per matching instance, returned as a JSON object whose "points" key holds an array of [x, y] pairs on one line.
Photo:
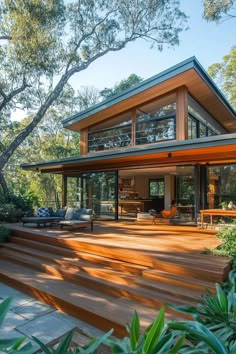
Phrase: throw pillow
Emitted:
{"points": [[43, 212]]}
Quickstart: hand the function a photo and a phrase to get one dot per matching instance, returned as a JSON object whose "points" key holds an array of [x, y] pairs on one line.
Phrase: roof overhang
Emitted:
{"points": [[188, 73], [211, 150]]}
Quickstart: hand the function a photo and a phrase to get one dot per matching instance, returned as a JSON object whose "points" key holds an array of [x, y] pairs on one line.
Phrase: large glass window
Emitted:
{"points": [[221, 185], [99, 193], [200, 122], [185, 188], [192, 128], [74, 192], [156, 187], [156, 121], [114, 133]]}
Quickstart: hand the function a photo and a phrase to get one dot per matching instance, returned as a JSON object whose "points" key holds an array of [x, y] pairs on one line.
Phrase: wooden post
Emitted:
{"points": [[182, 113], [84, 141], [64, 191], [133, 128]]}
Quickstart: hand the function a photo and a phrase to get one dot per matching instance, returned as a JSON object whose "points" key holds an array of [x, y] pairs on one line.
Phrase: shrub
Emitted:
{"points": [[4, 234], [217, 312], [14, 207], [228, 236]]}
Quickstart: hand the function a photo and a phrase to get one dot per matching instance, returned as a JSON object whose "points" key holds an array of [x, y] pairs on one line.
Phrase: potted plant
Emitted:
{"points": [[223, 205]]}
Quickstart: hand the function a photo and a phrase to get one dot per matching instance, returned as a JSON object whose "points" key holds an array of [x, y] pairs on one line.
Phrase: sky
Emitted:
{"points": [[208, 42]]}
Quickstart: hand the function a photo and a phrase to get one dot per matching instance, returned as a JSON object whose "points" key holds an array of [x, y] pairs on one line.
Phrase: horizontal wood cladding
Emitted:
{"points": [[195, 85], [209, 155]]}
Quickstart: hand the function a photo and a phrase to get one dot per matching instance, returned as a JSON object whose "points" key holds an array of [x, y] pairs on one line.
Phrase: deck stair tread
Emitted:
{"points": [[87, 304], [94, 270], [104, 250], [171, 288], [149, 277], [70, 256], [193, 270], [144, 258], [109, 282], [201, 260]]}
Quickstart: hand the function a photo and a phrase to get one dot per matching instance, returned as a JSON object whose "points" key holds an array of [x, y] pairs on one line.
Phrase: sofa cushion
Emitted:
{"points": [[60, 213], [85, 217], [86, 211], [69, 213], [43, 212]]}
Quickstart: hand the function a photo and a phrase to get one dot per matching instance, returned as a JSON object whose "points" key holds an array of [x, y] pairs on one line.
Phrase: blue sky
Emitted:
{"points": [[209, 42]]}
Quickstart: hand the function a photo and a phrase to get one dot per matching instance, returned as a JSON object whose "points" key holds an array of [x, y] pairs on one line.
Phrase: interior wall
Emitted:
{"points": [[142, 186]]}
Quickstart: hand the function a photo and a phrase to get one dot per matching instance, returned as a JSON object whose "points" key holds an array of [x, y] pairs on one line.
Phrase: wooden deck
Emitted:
{"points": [[104, 275]]}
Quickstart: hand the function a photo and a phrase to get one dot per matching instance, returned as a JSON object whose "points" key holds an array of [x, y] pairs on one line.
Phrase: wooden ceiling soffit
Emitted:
{"points": [[210, 155]]}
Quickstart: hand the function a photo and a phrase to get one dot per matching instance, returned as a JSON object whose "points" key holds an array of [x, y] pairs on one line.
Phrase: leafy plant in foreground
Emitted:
{"points": [[156, 339], [64, 346], [217, 312], [12, 345]]}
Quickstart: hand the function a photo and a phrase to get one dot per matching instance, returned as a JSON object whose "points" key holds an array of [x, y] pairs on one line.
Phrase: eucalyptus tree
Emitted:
{"points": [[224, 73], [124, 84], [54, 40], [219, 10]]}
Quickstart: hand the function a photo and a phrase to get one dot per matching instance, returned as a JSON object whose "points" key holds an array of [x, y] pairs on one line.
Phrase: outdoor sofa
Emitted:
{"points": [[64, 217]]}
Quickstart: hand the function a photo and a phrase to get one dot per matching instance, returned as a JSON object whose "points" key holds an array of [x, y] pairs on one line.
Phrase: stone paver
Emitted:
{"points": [[29, 317]]}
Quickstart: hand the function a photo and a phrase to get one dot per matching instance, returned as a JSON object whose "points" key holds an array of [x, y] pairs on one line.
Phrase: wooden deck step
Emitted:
{"points": [[108, 281], [186, 283], [109, 251], [45, 251], [201, 260], [189, 270], [64, 271], [89, 305]]}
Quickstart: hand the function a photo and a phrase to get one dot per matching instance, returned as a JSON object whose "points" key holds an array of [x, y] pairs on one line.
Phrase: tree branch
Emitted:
{"points": [[87, 35], [8, 98], [5, 37]]}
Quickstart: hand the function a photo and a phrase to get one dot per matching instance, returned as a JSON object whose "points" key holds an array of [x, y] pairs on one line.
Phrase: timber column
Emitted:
{"points": [[182, 113], [64, 191]]}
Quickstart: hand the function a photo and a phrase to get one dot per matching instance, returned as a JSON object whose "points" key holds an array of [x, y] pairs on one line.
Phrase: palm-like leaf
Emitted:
{"points": [[217, 312]]}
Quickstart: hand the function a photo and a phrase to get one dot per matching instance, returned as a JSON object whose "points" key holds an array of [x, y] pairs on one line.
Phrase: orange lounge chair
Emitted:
{"points": [[169, 213]]}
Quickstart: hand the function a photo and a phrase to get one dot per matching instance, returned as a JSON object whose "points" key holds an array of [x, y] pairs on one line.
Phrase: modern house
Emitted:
{"points": [[170, 138]]}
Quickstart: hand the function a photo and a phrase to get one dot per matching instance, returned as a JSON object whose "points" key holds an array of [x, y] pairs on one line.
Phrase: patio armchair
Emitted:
{"points": [[169, 213]]}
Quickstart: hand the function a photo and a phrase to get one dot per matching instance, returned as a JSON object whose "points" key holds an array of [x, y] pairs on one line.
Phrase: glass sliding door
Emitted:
{"points": [[99, 192], [221, 185], [185, 192], [74, 193]]}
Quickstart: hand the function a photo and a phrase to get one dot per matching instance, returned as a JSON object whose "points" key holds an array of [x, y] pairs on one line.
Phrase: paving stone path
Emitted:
{"points": [[30, 317]]}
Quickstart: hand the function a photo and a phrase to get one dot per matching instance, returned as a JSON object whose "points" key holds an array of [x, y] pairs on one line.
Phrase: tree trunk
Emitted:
{"points": [[3, 184]]}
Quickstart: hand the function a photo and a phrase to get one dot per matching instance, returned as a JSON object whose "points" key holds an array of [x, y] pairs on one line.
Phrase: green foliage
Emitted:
{"points": [[13, 207], [12, 345], [217, 312], [225, 75], [64, 346], [228, 237], [123, 85], [199, 339], [4, 234], [35, 28], [155, 340], [215, 10]]}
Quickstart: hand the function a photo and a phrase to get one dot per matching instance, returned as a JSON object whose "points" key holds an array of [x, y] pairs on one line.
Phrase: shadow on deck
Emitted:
{"points": [[102, 276]]}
